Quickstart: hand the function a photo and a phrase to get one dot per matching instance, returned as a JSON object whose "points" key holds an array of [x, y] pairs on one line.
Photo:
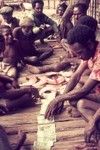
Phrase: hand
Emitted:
{"points": [[91, 131], [15, 84], [52, 109], [43, 26]]}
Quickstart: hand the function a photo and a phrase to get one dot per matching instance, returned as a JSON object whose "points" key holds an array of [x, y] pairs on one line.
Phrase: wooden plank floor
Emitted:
{"points": [[69, 131]]}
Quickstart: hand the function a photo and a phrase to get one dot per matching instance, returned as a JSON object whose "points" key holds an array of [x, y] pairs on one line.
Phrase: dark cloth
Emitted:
{"points": [[14, 22], [42, 19], [26, 42]]}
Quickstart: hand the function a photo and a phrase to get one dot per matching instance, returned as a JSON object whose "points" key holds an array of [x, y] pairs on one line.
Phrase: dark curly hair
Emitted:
{"points": [[1, 38], [33, 2], [88, 21], [80, 34], [82, 7]]}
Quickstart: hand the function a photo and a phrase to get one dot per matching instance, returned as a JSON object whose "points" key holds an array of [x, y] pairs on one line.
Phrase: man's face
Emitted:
{"points": [[77, 14], [81, 51], [38, 8], [60, 11], [7, 34]]}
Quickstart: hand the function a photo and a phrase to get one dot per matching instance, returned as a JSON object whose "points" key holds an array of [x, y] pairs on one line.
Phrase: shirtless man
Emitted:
{"points": [[8, 19], [82, 42], [10, 53], [24, 34]]}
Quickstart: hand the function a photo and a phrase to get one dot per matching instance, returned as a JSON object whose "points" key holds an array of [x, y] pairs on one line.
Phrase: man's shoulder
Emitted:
{"points": [[17, 29]]}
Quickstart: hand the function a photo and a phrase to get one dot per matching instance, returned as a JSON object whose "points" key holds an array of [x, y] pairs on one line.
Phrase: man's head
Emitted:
{"points": [[61, 9], [27, 25], [7, 34], [88, 21], [6, 13], [81, 40], [78, 11], [37, 5]]}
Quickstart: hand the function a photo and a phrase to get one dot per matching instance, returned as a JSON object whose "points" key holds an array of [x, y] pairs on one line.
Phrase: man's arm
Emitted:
{"points": [[52, 23], [76, 77], [79, 93]]}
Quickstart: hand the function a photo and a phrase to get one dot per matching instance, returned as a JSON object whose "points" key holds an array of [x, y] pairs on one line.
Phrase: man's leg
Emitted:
{"points": [[87, 108]]}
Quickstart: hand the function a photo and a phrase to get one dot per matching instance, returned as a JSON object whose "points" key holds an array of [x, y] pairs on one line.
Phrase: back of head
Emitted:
{"points": [[82, 7], [88, 21], [80, 34], [26, 21], [33, 2]]}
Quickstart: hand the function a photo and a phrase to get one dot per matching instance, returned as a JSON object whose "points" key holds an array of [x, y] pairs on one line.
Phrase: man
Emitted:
{"points": [[24, 34], [45, 25], [79, 10], [8, 19], [82, 42]]}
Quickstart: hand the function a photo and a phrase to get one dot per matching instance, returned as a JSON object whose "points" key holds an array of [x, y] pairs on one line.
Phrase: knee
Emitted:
{"points": [[80, 105]]}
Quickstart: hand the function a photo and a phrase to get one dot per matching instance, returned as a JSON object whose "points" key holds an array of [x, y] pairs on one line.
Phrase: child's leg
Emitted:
{"points": [[87, 108]]}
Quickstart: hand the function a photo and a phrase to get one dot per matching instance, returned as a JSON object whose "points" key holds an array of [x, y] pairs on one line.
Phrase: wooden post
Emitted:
{"points": [[54, 4], [48, 4], [95, 9]]}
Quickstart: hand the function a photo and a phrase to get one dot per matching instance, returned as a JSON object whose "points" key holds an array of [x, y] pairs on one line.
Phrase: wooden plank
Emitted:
{"points": [[69, 125], [64, 135]]}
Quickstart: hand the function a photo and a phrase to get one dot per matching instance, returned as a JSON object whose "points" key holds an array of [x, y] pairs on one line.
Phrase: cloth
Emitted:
{"points": [[26, 42], [7, 69], [14, 22], [94, 65]]}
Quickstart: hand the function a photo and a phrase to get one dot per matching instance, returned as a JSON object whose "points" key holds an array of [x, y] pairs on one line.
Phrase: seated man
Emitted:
{"points": [[83, 20], [8, 19], [14, 99], [67, 25], [10, 52], [24, 34], [81, 40], [46, 26]]}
